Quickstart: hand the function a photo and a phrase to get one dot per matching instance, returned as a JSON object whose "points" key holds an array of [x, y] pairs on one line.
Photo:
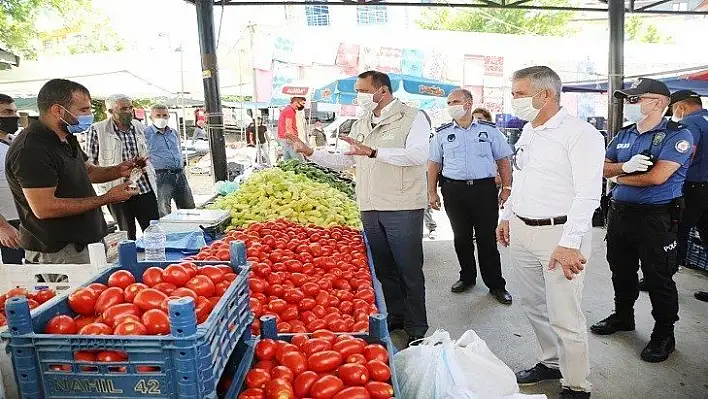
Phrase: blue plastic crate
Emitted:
{"points": [[696, 257], [378, 289], [378, 334], [189, 361]]}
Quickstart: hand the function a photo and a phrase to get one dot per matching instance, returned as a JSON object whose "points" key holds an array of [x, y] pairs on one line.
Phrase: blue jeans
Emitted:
{"points": [[288, 151], [173, 184]]}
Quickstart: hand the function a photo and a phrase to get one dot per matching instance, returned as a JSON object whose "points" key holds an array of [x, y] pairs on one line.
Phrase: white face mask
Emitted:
{"points": [[366, 101], [456, 111], [160, 123], [675, 117], [634, 113], [524, 109]]}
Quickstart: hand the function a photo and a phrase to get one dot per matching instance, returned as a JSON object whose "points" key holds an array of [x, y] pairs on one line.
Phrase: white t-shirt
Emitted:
{"points": [[7, 202]]}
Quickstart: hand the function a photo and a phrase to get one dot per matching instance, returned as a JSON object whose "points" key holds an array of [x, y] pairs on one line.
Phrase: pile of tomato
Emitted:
{"points": [[307, 277], [127, 307], [322, 366], [34, 299]]}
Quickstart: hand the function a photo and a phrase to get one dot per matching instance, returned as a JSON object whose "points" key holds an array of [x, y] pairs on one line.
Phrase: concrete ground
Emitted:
{"points": [[616, 369]]}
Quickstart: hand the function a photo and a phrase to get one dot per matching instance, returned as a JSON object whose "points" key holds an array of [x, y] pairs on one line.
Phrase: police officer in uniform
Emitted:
{"points": [[647, 161], [469, 152]]}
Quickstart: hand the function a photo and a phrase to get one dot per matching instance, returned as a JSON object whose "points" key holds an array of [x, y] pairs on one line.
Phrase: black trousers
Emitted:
{"points": [[12, 255], [473, 211], [646, 236], [396, 241], [142, 207], [694, 215]]}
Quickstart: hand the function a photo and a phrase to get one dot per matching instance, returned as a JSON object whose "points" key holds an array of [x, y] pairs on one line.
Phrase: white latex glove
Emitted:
{"points": [[613, 179], [638, 163]]}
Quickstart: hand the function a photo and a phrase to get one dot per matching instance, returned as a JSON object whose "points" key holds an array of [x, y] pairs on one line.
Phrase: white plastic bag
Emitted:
{"points": [[423, 372], [484, 374]]}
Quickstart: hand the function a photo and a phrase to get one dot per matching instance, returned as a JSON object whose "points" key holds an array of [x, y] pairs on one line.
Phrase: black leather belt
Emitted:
{"points": [[544, 222], [644, 208], [172, 171], [467, 182], [696, 184]]}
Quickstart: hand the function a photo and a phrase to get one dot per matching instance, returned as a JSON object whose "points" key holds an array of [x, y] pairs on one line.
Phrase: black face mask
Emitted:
{"points": [[9, 124], [300, 107]]}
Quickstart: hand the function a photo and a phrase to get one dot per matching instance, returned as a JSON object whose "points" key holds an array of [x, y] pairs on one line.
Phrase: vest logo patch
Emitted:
{"points": [[622, 146], [682, 146]]}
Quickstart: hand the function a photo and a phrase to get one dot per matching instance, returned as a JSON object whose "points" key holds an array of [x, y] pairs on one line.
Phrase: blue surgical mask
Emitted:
{"points": [[633, 113], [83, 123]]}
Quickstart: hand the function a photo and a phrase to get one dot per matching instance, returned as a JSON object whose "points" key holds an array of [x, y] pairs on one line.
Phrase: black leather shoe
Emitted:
{"points": [[461, 286], [612, 324], [502, 295], [569, 393], [642, 285], [395, 325], [537, 374], [414, 340], [659, 348], [701, 296]]}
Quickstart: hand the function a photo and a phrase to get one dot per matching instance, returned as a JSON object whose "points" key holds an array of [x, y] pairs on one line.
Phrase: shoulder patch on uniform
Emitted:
{"points": [[682, 146], [443, 127], [483, 122]]}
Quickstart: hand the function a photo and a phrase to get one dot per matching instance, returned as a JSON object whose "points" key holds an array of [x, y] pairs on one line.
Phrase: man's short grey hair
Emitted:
{"points": [[113, 99], [542, 78], [466, 94], [161, 107]]}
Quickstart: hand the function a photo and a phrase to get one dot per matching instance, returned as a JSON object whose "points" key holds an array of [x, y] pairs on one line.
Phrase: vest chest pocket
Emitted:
{"points": [[482, 149], [110, 150], [452, 148]]}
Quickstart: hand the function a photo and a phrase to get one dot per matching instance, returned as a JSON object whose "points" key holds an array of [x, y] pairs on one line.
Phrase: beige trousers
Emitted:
{"points": [[552, 302], [67, 255]]}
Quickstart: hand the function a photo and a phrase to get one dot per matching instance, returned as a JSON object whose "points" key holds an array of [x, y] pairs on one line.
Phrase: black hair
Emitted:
{"points": [[58, 91], [5, 99], [379, 79], [691, 100], [293, 99]]}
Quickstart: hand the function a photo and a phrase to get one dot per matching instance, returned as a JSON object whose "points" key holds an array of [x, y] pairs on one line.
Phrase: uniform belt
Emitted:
{"points": [[173, 171], [544, 222], [468, 182], [696, 183], [644, 208]]}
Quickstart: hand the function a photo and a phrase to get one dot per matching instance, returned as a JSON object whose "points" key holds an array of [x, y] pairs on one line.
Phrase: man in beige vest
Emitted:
{"points": [[389, 147]]}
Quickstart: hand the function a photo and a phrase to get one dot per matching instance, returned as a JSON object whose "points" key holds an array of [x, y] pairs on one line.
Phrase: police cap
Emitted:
{"points": [[644, 86]]}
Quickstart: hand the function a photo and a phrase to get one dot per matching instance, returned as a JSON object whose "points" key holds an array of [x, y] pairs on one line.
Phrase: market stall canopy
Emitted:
{"points": [[8, 60], [696, 81], [421, 92]]}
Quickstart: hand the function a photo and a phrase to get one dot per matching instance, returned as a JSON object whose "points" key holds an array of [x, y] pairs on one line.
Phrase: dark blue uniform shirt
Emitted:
{"points": [[666, 143], [697, 124]]}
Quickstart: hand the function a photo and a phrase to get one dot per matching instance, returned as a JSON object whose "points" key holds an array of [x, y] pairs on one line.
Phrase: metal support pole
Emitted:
{"points": [[616, 66], [212, 96]]}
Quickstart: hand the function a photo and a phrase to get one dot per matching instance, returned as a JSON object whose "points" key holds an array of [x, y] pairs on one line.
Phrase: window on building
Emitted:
{"points": [[317, 15], [679, 6], [372, 15]]}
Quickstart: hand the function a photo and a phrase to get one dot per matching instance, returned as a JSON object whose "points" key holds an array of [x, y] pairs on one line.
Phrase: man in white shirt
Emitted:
{"points": [[9, 221], [547, 225], [389, 147]]}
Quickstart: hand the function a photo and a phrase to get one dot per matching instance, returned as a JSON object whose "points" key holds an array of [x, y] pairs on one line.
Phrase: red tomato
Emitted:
{"points": [[358, 359], [165, 304], [282, 372], [44, 295], [299, 339], [132, 290], [32, 303], [316, 325], [122, 318], [230, 276], [257, 378], [315, 345], [190, 267], [257, 285], [130, 327], [252, 393], [275, 290], [266, 365], [289, 313], [110, 314], [149, 298], [152, 276], [360, 326], [212, 272], [277, 305], [98, 288], [176, 275], [201, 285], [319, 311], [221, 287], [121, 279], [295, 361], [157, 322], [85, 356], [111, 296], [310, 289], [324, 361], [353, 374], [202, 309], [111, 356], [326, 387], [348, 347], [16, 292], [378, 370], [379, 390], [81, 321], [346, 307], [225, 269], [166, 288], [183, 292], [325, 334], [61, 324], [293, 295], [95, 329], [303, 383], [376, 352], [215, 300], [282, 348], [279, 388], [353, 393], [82, 301], [265, 349]]}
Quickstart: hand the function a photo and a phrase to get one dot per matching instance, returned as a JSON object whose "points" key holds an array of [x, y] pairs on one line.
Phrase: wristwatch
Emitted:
{"points": [[374, 151]]}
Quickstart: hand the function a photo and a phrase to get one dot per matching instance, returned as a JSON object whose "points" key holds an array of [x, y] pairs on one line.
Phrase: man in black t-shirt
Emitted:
{"points": [[51, 180], [261, 141]]}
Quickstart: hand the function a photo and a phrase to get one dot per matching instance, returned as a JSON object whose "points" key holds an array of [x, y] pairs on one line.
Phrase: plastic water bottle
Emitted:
{"points": [[155, 242]]}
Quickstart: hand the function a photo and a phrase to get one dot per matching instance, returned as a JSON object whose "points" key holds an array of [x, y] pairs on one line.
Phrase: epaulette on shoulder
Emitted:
{"points": [[488, 123], [443, 127], [673, 125]]}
